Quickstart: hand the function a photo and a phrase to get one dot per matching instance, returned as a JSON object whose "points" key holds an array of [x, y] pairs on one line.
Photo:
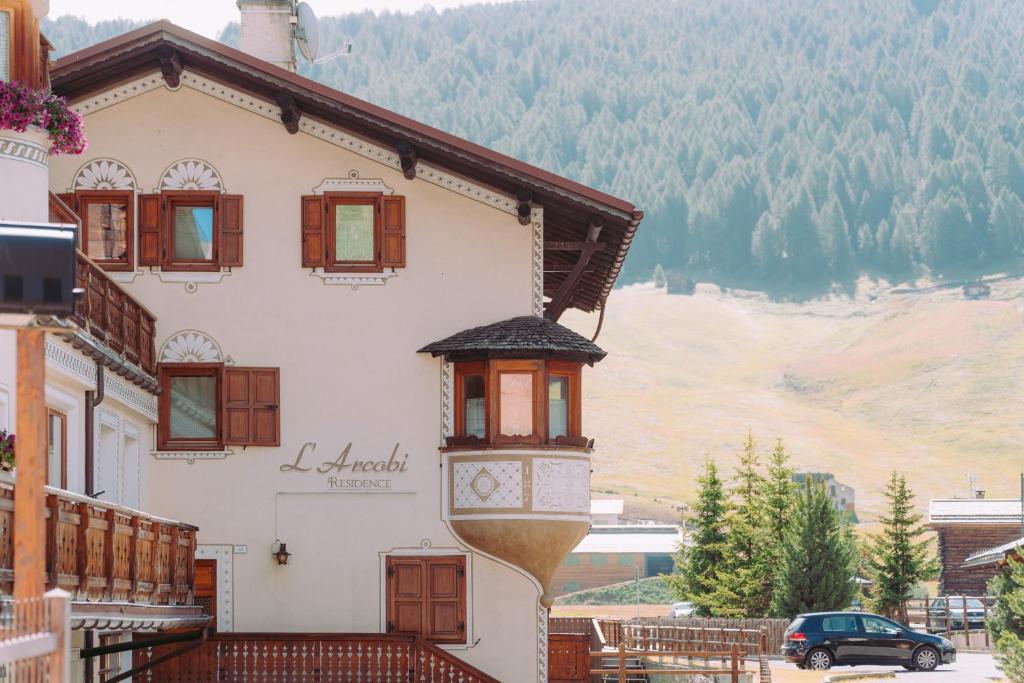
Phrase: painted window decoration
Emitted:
{"points": [[208, 406], [508, 402], [350, 232]]}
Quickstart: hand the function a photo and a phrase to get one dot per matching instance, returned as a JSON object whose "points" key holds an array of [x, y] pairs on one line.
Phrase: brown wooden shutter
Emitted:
{"points": [[150, 230], [230, 237], [313, 237], [405, 595], [393, 209], [251, 412], [446, 599]]}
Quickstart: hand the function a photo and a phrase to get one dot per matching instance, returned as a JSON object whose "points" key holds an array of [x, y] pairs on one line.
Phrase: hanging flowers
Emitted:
{"points": [[22, 106], [6, 450]]}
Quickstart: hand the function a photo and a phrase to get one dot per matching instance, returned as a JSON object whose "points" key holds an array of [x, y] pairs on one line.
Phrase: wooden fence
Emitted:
{"points": [[35, 639], [623, 665], [307, 657], [967, 618]]}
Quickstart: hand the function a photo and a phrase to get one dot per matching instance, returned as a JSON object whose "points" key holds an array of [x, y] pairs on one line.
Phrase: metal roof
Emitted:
{"points": [[974, 511], [623, 538], [992, 555]]}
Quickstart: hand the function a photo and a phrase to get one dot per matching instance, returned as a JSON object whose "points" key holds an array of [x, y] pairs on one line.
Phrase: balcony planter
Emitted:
{"points": [[33, 125]]}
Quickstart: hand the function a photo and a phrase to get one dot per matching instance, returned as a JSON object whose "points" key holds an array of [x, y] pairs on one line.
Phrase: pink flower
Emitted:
{"points": [[22, 106]]}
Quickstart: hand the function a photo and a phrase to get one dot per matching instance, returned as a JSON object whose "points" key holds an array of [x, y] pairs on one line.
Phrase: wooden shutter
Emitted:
{"points": [[250, 405], [426, 596], [230, 237], [446, 599], [393, 209], [313, 238], [150, 230]]}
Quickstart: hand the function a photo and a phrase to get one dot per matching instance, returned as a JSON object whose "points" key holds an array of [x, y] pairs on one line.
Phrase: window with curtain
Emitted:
{"points": [[558, 407], [193, 233], [516, 401], [56, 449], [193, 408], [354, 233], [475, 407], [5, 46]]}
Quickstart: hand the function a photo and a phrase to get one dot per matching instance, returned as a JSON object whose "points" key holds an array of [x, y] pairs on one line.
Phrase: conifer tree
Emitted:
{"points": [[816, 567], [898, 558], [1006, 621], [698, 565], [778, 501]]}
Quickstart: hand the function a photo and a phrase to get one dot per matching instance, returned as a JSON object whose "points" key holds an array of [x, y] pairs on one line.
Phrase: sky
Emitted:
{"points": [[208, 17]]}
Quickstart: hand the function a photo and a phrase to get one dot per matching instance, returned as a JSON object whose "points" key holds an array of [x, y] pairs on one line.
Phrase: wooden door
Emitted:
{"points": [[206, 587], [426, 596]]}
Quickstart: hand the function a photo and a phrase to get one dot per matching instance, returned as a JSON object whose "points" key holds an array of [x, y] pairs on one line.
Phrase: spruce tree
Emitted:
{"points": [[898, 559], [1006, 622], [698, 565], [778, 501], [816, 567]]}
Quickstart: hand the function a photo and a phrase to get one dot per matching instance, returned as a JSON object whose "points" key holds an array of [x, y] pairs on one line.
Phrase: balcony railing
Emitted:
{"points": [[113, 317], [101, 552]]}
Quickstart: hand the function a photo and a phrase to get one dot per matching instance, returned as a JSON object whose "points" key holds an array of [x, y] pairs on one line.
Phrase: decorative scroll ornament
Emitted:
{"points": [[191, 174], [190, 346], [103, 174]]}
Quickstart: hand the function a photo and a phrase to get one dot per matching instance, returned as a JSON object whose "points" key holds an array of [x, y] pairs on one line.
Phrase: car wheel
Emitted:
{"points": [[926, 659], [819, 659]]}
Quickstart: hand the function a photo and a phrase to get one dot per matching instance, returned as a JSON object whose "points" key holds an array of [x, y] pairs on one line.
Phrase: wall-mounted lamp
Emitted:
{"points": [[281, 554]]}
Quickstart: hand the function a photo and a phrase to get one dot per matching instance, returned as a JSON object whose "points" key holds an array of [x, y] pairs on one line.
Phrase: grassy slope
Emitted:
{"points": [[928, 384]]}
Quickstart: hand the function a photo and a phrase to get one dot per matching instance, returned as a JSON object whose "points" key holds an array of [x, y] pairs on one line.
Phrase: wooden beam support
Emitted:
{"points": [[572, 246], [170, 66], [563, 297], [290, 114], [407, 157], [524, 197]]}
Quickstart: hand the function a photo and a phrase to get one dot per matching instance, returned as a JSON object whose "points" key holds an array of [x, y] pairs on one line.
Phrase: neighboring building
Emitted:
{"points": [[966, 527], [998, 556], [606, 512], [977, 290], [841, 495], [613, 554], [339, 337]]}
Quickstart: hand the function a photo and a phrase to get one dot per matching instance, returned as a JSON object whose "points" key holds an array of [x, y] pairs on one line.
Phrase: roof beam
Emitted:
{"points": [[573, 246], [524, 197], [407, 157], [290, 114], [170, 65], [563, 297]]}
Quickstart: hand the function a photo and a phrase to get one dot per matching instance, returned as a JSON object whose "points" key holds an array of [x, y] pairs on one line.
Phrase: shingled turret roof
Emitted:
{"points": [[524, 337]]}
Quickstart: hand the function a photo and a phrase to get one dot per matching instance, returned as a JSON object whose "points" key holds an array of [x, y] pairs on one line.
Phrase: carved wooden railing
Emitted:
{"points": [[101, 552], [113, 317], [336, 657]]}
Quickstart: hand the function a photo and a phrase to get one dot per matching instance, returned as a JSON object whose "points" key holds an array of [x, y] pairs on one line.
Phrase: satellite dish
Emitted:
{"points": [[307, 32]]}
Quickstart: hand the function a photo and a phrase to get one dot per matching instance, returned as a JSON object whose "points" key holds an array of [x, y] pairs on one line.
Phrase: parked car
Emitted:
{"points": [[937, 613], [826, 639], [681, 609]]}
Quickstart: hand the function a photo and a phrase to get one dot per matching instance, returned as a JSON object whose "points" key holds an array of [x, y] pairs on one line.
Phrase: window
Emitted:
{"points": [[346, 232], [426, 596], [571, 586], [206, 406], [876, 625], [6, 43], [110, 664], [504, 402], [571, 560], [56, 449], [627, 560], [844, 623], [107, 220], [597, 560], [183, 230]]}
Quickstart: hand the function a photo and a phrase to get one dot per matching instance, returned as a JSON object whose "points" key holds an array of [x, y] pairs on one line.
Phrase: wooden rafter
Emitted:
{"points": [[290, 114], [170, 66], [407, 157], [563, 297]]}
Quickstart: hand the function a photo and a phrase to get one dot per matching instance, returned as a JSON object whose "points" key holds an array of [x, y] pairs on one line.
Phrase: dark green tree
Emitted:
{"points": [[818, 557], [698, 565], [778, 501], [1006, 621], [898, 558]]}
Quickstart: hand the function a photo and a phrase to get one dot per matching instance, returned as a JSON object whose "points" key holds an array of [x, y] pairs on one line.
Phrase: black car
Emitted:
{"points": [[826, 639]]}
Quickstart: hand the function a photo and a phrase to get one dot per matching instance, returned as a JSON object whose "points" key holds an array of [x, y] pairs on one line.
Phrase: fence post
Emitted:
{"points": [[622, 663], [58, 604], [762, 644], [735, 664], [984, 606], [967, 625]]}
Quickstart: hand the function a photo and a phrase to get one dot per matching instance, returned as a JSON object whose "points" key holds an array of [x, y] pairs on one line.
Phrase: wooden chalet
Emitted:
{"points": [[966, 527]]}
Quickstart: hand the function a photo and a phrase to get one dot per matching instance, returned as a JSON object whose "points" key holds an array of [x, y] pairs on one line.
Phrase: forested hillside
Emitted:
{"points": [[772, 144]]}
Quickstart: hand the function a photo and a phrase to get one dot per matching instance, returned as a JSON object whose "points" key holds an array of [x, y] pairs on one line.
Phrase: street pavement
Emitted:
{"points": [[970, 667]]}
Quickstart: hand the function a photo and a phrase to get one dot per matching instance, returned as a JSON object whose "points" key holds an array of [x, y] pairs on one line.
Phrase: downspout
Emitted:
{"points": [[92, 399]]}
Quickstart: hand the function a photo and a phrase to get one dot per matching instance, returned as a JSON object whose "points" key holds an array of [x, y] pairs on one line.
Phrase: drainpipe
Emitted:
{"points": [[92, 399]]}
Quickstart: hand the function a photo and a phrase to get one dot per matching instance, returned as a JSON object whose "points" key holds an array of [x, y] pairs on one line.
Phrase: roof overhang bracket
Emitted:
{"points": [[563, 297], [407, 157], [170, 65], [290, 114], [524, 197]]}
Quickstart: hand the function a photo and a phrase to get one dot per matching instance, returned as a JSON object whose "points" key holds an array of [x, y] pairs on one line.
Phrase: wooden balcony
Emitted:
{"points": [[107, 555], [111, 316]]}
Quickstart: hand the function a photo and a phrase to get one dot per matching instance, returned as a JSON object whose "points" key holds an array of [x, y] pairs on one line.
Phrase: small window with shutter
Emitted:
{"points": [[346, 232], [206, 406], [185, 230], [426, 596]]}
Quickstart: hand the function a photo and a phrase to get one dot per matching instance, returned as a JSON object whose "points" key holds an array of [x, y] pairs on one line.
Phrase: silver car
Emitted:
{"points": [[681, 609]]}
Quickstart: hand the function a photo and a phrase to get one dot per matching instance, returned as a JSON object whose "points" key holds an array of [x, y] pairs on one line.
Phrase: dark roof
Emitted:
{"points": [[524, 337], [569, 207]]}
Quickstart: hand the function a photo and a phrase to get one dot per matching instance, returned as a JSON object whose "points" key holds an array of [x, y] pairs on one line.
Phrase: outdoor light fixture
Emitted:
{"points": [[282, 554]]}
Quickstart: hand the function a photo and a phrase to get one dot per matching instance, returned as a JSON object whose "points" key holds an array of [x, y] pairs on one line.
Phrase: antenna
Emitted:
{"points": [[307, 36]]}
